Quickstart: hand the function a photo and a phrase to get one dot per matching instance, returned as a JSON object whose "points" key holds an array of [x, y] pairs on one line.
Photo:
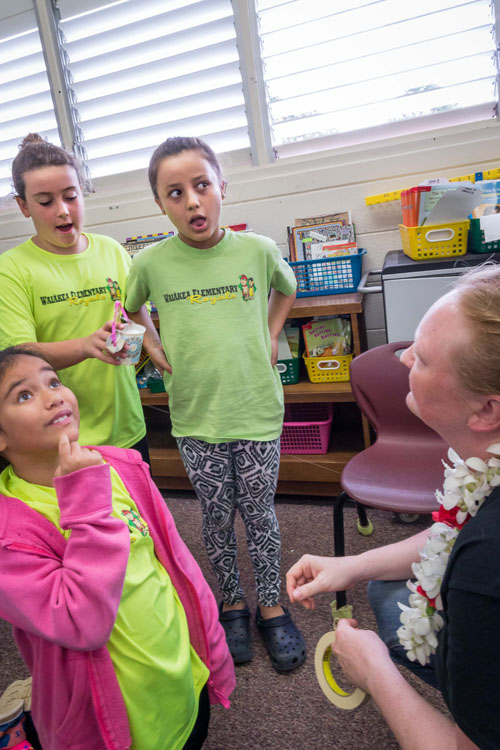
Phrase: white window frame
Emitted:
{"points": [[261, 151]]}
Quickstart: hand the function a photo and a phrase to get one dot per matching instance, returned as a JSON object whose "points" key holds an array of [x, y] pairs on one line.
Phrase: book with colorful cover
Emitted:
{"points": [[327, 338], [332, 233], [331, 250]]}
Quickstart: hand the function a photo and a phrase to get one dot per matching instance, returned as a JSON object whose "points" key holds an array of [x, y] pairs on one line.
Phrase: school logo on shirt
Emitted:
{"points": [[114, 289], [80, 297], [247, 287], [84, 296], [135, 522]]}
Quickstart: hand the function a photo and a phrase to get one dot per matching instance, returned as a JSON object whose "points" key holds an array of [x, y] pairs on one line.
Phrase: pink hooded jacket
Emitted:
{"points": [[62, 598]]}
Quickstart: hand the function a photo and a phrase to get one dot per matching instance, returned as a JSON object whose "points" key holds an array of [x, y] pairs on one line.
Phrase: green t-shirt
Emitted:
{"points": [[49, 297], [213, 310], [159, 673]]}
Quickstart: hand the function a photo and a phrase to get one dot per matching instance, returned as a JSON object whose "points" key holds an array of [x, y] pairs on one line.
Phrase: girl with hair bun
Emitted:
{"points": [[57, 295]]}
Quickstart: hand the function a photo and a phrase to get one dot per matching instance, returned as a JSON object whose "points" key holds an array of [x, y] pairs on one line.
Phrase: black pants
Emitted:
{"points": [[142, 447], [200, 730]]}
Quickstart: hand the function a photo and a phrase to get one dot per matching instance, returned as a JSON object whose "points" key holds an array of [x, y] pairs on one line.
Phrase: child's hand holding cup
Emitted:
{"points": [[130, 335]]}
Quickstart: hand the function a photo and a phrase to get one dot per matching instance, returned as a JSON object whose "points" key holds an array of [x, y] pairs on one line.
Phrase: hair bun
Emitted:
{"points": [[30, 139]]}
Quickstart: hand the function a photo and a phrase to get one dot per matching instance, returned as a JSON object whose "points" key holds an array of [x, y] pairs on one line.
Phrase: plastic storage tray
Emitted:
{"points": [[306, 428], [289, 370], [434, 240], [476, 242], [326, 369], [156, 385], [328, 275]]}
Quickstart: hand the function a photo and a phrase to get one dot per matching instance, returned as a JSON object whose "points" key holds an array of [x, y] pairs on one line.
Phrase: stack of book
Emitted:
{"points": [[327, 236]]}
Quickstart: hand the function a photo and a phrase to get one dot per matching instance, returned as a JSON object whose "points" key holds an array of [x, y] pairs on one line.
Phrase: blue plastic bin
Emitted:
{"points": [[328, 275]]}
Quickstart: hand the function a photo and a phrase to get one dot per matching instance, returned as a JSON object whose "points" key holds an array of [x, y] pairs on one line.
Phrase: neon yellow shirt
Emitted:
{"points": [[49, 297], [159, 673]]}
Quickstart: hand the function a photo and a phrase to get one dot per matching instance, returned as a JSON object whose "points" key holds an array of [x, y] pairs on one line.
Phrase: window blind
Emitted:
{"points": [[334, 67], [143, 70], [25, 100]]}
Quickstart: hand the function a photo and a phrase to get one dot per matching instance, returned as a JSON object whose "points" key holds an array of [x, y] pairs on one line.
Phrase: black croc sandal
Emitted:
{"points": [[236, 624], [284, 641]]}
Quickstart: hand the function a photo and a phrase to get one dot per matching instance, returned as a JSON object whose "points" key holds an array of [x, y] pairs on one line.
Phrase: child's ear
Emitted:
{"points": [[158, 203], [3, 441], [23, 207]]}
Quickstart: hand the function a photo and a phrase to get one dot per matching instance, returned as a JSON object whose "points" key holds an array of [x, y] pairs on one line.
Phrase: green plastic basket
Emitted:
{"points": [[475, 241], [156, 385], [289, 370]]}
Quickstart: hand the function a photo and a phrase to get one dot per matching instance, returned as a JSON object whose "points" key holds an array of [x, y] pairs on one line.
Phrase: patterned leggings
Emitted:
{"points": [[226, 477]]}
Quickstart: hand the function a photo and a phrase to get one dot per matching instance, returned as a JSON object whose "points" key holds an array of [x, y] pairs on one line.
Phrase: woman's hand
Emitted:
{"points": [[313, 575], [72, 456], [361, 654]]}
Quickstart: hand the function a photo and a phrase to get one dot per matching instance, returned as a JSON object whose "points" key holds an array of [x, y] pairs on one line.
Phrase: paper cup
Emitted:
{"points": [[131, 334]]}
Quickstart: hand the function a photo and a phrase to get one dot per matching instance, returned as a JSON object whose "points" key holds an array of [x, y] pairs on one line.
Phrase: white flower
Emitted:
{"points": [[466, 485]]}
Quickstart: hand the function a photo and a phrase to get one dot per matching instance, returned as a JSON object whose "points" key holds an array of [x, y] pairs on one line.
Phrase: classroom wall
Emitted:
{"points": [[269, 198]]}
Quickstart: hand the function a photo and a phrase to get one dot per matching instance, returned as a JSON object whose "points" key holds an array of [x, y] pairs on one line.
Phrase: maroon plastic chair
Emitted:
{"points": [[403, 468]]}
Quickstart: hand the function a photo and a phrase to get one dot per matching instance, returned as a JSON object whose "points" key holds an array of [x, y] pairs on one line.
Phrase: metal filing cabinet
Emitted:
{"points": [[410, 287]]}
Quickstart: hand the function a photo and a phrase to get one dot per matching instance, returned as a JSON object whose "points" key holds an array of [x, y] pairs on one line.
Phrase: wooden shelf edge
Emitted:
{"points": [[308, 307], [153, 399], [303, 392], [307, 392], [166, 463]]}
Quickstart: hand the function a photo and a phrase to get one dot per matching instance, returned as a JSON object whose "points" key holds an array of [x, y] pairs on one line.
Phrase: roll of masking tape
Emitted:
{"points": [[326, 680]]}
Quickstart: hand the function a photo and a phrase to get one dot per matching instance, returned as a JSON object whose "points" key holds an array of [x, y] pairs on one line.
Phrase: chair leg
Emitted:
{"points": [[338, 537]]}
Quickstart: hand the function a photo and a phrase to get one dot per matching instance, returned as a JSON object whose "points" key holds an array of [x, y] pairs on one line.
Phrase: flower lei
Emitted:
{"points": [[466, 485]]}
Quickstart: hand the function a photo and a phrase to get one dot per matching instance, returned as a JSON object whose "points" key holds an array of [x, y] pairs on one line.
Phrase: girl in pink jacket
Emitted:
{"points": [[110, 611]]}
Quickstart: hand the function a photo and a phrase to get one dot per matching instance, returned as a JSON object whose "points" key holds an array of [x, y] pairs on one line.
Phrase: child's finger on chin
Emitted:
{"points": [[64, 445]]}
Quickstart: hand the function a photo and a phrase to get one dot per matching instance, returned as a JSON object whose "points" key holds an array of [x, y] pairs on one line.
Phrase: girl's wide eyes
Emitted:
{"points": [[48, 202], [176, 193], [27, 395]]}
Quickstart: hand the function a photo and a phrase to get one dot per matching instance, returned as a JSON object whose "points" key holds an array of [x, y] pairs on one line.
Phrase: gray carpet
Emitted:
{"points": [[270, 710]]}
